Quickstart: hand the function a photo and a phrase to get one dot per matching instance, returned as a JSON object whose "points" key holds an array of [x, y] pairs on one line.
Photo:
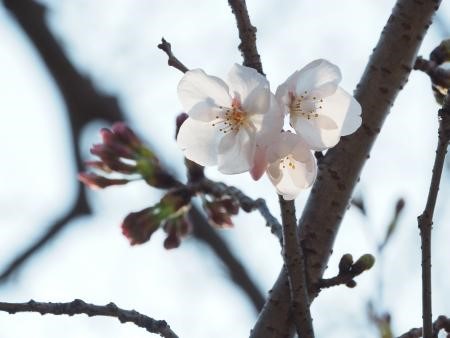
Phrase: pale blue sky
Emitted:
{"points": [[114, 41]]}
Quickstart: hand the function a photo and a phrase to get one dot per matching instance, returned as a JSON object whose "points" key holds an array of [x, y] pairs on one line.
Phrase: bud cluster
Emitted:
{"points": [[122, 153], [220, 210], [170, 214]]}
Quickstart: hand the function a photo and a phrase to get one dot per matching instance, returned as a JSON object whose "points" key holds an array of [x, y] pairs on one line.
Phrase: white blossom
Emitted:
{"points": [[229, 125], [319, 110], [292, 165]]}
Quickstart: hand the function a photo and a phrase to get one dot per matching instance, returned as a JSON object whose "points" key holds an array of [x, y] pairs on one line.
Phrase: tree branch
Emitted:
{"points": [[247, 35], [425, 220], [385, 75], [80, 307], [295, 266], [248, 204], [441, 323], [172, 61]]}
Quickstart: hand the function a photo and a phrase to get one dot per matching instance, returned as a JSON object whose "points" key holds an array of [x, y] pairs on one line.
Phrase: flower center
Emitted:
{"points": [[287, 161], [231, 119], [305, 105]]}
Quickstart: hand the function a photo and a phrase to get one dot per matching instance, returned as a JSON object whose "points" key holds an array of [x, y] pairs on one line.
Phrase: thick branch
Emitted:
{"points": [[172, 61], [425, 220], [295, 266], [80, 307], [385, 75], [247, 35]]}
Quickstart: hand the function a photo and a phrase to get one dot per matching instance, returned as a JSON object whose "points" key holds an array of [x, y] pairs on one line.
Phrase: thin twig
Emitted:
{"points": [[247, 204], [80, 307], [247, 35], [441, 323], [295, 266], [172, 61], [425, 220]]}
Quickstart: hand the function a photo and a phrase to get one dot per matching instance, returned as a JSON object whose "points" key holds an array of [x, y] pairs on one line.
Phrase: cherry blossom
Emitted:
{"points": [[320, 111], [229, 125], [292, 165]]}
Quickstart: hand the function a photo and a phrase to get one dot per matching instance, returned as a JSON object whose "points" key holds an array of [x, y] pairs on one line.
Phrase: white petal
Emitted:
{"points": [[326, 122], [344, 110], [197, 86], [319, 77], [269, 124], [317, 138], [236, 152], [199, 141], [257, 101], [205, 111], [353, 119], [244, 80]]}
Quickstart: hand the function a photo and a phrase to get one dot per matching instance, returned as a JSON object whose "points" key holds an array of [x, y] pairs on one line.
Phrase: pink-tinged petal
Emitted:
{"points": [[197, 86], [283, 91], [260, 162], [236, 152], [319, 77], [199, 141], [244, 80]]}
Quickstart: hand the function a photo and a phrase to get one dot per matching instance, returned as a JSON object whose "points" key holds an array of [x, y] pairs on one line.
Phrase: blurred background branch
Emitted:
{"points": [[85, 104]]}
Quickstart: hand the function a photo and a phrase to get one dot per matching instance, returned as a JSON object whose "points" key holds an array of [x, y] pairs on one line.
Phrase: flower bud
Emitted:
{"points": [[160, 179], [126, 135], [399, 206], [350, 284], [176, 202], [345, 263], [139, 226], [219, 212], [441, 53], [172, 241], [179, 121], [95, 181], [365, 262]]}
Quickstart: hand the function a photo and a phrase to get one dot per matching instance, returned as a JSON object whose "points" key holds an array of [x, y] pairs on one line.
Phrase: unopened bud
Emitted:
{"points": [[172, 241], [399, 206], [126, 135], [139, 226], [345, 263], [350, 284], [160, 179], [95, 181], [441, 53], [365, 262], [176, 202], [219, 212], [180, 119], [99, 165]]}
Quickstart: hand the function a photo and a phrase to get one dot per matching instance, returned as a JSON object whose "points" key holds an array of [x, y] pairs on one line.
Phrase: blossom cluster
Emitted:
{"points": [[239, 125]]}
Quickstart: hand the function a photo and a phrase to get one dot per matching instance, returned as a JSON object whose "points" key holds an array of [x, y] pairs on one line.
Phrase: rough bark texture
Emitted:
{"points": [[383, 78]]}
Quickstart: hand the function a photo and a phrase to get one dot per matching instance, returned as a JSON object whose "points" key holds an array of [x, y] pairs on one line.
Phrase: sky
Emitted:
{"points": [[114, 42]]}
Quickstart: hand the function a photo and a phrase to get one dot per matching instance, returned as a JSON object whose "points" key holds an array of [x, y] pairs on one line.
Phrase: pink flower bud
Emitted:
{"points": [[180, 119], [139, 226], [126, 135], [95, 181]]}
